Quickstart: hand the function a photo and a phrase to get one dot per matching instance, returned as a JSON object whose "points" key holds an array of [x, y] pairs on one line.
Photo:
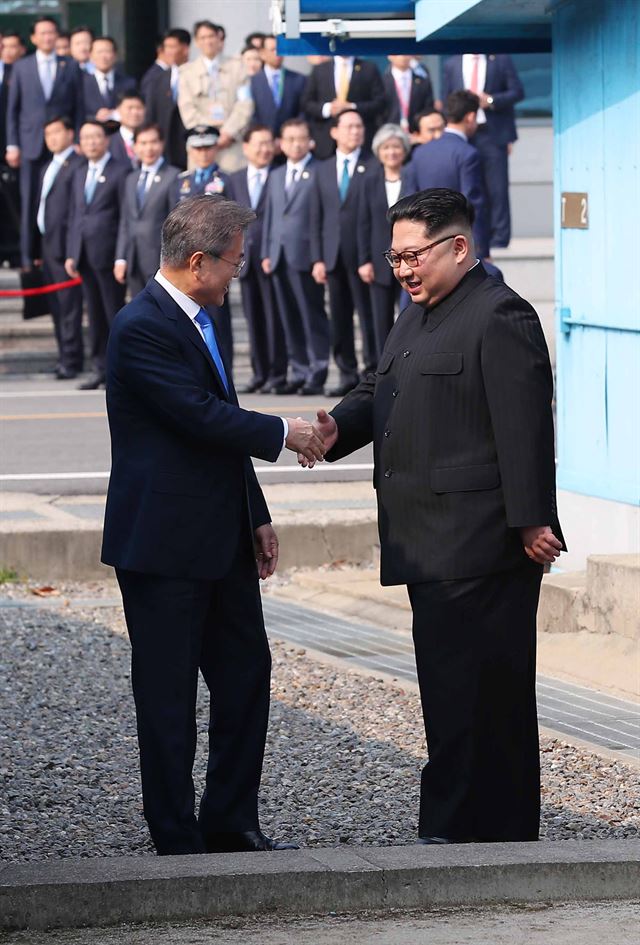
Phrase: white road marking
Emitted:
{"points": [[41, 477]]}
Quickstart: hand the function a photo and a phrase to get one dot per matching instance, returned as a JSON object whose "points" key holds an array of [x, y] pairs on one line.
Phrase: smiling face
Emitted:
{"points": [[93, 142], [209, 42], [214, 275], [259, 149], [103, 55], [57, 138], [148, 147], [391, 154], [439, 269], [44, 36]]}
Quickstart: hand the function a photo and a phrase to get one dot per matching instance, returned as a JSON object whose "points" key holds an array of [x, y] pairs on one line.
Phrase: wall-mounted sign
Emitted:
{"points": [[574, 211]]}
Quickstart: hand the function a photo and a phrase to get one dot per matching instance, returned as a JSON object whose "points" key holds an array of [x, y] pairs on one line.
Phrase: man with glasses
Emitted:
{"points": [[188, 532], [459, 412]]}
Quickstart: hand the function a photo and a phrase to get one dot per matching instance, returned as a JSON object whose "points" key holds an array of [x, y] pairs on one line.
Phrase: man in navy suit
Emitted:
{"points": [[276, 92], [96, 195], [408, 94], [54, 197], [450, 161], [102, 89], [43, 85], [162, 98], [189, 534], [266, 337], [344, 83], [337, 188], [286, 252], [132, 116], [496, 83]]}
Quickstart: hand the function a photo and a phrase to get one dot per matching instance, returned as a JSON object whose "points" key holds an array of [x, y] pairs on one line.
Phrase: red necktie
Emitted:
{"points": [[474, 84]]}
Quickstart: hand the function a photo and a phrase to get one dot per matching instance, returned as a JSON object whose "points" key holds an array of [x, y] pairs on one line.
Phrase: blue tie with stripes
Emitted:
{"points": [[204, 321]]}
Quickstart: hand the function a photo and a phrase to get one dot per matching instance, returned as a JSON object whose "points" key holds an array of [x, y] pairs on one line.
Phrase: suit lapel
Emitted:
{"points": [[154, 187]]}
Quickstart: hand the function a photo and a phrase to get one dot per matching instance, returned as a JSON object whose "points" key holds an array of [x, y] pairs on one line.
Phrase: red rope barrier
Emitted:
{"points": [[41, 290]]}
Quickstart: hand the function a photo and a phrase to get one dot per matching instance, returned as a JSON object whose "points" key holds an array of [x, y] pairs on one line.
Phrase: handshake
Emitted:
{"points": [[311, 440]]}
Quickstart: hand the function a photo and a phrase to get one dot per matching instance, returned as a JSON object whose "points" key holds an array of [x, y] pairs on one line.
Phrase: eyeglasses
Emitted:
{"points": [[237, 266], [411, 257]]}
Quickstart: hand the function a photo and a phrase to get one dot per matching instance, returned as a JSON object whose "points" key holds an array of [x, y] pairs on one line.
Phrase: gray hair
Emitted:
{"points": [[205, 224], [386, 133]]}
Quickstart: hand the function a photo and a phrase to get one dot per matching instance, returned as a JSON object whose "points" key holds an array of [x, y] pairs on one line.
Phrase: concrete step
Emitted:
{"points": [[613, 591]]}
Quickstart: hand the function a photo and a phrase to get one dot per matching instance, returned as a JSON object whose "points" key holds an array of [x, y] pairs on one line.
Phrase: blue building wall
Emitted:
{"points": [[596, 89]]}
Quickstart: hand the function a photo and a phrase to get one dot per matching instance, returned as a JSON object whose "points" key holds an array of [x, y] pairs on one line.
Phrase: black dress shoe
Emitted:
{"points": [[291, 387], [252, 387], [341, 389], [65, 374], [247, 841], [309, 390], [435, 840], [93, 382]]}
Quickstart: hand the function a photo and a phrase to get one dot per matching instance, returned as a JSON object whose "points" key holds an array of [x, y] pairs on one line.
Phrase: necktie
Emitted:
{"points": [[128, 146], [213, 81], [47, 78], [474, 85], [90, 184], [343, 81], [204, 321], [199, 176], [256, 190], [344, 181], [174, 83], [104, 87], [141, 189], [275, 87], [292, 180], [47, 184]]}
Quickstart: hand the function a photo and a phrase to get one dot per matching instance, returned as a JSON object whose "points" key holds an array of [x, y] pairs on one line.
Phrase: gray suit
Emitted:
{"points": [[140, 228], [285, 241]]}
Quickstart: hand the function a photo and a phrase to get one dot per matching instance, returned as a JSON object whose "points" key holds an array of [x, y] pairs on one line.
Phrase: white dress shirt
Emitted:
{"points": [[298, 168], [151, 170], [351, 158], [467, 70], [403, 79], [47, 182], [41, 59], [337, 76], [98, 166], [455, 131], [393, 188], [191, 309], [104, 80]]}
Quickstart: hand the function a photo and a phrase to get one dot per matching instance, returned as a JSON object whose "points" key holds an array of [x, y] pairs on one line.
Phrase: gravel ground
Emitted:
{"points": [[343, 756]]}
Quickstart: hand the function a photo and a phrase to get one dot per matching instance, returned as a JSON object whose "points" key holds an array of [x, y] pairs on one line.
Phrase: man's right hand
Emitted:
{"points": [[328, 430], [70, 266], [319, 273], [305, 440], [12, 157]]}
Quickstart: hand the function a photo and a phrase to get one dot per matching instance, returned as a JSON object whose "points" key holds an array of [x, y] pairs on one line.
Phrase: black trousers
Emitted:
{"points": [[475, 643], [495, 170], [66, 309], [347, 292], [104, 297], [30, 172], [176, 628], [383, 305], [266, 336]]}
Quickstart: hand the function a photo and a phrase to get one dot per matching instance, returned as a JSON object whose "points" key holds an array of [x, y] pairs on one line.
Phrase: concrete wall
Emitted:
{"points": [[531, 179], [238, 18]]}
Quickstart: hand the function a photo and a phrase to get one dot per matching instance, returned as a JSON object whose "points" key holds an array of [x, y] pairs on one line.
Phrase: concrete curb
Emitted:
{"points": [[85, 892]]}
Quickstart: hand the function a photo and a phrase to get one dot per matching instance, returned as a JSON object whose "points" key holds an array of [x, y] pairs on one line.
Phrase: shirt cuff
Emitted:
{"points": [[120, 261], [286, 431], [326, 110]]}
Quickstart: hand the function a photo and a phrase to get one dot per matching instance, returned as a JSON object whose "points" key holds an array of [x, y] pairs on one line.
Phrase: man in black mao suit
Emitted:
{"points": [[495, 80], [337, 186], [342, 83], [96, 195], [459, 412], [185, 525], [52, 219]]}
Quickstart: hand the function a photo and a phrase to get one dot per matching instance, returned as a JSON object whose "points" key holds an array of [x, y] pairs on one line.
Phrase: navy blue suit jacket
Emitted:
{"points": [[92, 98], [181, 475], [94, 228], [451, 162], [420, 99], [333, 225], [265, 111], [374, 232], [238, 190], [27, 109], [501, 82], [57, 205]]}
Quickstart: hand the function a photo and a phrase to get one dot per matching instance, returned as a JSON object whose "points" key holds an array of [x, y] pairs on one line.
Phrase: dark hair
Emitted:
{"points": [[294, 123], [148, 126], [106, 39], [335, 121], [132, 93], [222, 31], [96, 123], [459, 104], [13, 34], [183, 36], [83, 29], [63, 120], [205, 24], [43, 19], [248, 40], [206, 223], [435, 208], [251, 130], [63, 34], [425, 114]]}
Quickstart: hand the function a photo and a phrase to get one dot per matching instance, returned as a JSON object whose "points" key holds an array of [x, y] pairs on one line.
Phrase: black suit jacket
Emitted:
{"points": [[92, 99], [238, 190], [181, 474], [420, 99], [366, 91], [373, 230], [4, 101], [332, 224], [502, 82], [459, 412], [57, 206], [265, 110], [162, 110], [94, 228], [149, 79]]}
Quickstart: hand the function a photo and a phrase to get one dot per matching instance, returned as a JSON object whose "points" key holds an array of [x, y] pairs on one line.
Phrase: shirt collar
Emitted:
{"points": [[188, 306], [399, 75], [352, 158], [163, 65], [270, 71], [127, 134], [104, 75], [300, 166], [62, 157], [42, 57], [153, 168], [252, 171], [211, 62], [100, 165], [467, 57], [454, 131], [346, 59]]}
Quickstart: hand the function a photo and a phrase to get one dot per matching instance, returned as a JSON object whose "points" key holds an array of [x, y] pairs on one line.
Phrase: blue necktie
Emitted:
{"points": [[275, 87], [199, 176], [90, 185], [204, 321], [344, 181], [141, 189]]}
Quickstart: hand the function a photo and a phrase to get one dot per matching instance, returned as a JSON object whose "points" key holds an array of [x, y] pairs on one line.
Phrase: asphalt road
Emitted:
{"points": [[55, 439]]}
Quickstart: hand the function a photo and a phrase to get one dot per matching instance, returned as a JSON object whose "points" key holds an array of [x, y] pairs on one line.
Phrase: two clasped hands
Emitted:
{"points": [[311, 440]]}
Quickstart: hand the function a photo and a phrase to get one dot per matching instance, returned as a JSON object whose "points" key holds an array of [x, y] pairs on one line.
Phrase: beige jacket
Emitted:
{"points": [[226, 104]]}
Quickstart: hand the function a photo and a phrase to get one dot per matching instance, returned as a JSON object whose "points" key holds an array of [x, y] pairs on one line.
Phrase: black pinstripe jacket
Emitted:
{"points": [[460, 416]]}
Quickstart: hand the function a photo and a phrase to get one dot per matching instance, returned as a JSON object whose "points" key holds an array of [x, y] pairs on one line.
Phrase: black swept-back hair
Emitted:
{"points": [[435, 208]]}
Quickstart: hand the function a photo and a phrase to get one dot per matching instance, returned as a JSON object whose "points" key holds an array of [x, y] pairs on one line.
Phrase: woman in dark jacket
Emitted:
{"points": [[391, 146]]}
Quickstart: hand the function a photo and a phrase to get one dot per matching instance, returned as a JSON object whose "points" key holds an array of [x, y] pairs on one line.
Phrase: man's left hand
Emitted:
{"points": [[540, 544], [266, 545]]}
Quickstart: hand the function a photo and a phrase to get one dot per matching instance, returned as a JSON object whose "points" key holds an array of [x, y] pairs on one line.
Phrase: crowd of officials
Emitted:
{"points": [[101, 159]]}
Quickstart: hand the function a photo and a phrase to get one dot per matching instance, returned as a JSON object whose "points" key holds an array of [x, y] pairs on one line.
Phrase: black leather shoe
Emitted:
{"points": [[341, 389], [252, 387], [310, 391], [247, 841], [65, 374], [93, 382], [430, 840], [291, 387]]}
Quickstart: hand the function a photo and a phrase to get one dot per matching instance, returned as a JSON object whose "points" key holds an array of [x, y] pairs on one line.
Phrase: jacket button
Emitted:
{"points": [[387, 432], [395, 393], [405, 354], [388, 473]]}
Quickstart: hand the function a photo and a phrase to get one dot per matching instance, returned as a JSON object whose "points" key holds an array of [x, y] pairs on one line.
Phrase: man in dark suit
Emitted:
{"points": [[132, 115], [96, 195], [460, 416], [162, 98], [286, 252], [342, 84], [276, 92], [496, 83], [102, 89], [43, 86], [54, 199], [407, 93], [450, 161], [337, 186], [149, 196], [155, 70], [185, 526], [266, 337], [12, 48]]}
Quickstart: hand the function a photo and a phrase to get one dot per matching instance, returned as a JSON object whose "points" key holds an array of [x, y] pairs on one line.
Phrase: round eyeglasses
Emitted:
{"points": [[237, 266], [411, 257]]}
